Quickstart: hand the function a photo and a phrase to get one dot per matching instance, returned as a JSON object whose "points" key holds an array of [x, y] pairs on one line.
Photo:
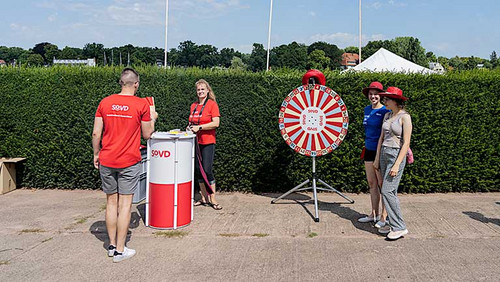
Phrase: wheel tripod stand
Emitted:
{"points": [[315, 179]]}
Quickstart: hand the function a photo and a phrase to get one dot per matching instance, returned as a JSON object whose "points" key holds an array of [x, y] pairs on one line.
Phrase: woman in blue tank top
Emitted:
{"points": [[372, 122]]}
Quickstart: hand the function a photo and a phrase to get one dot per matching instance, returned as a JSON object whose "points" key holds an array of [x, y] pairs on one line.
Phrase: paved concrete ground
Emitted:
{"points": [[60, 236]]}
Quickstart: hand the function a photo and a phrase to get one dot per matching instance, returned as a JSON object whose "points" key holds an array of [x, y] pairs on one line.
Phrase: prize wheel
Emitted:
{"points": [[313, 120]]}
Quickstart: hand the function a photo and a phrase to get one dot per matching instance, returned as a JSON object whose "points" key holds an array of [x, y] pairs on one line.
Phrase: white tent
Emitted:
{"points": [[386, 61]]}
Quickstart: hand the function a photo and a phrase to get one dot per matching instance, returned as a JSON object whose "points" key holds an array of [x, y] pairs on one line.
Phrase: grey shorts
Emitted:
{"points": [[120, 180]]}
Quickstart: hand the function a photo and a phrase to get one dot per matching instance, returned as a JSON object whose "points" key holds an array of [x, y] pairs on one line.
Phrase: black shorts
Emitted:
{"points": [[369, 155]]}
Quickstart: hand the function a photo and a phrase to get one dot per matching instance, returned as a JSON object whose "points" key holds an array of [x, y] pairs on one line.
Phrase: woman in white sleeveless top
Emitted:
{"points": [[391, 158]]}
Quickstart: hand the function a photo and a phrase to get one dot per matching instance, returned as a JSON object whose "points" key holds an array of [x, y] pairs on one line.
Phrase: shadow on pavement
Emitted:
{"points": [[337, 208], [480, 217], [141, 208], [98, 229]]}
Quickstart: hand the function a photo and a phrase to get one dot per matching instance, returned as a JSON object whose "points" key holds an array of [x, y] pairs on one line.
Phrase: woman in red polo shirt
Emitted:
{"points": [[203, 120]]}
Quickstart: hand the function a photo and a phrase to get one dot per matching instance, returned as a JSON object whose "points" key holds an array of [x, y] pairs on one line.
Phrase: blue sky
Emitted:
{"points": [[445, 27]]}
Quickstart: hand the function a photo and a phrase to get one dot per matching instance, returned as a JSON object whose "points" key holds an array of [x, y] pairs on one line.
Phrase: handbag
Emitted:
{"points": [[409, 156], [362, 156]]}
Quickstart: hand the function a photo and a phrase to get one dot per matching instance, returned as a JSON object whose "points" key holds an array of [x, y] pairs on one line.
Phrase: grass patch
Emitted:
{"points": [[312, 235], [46, 240], [229, 235], [260, 235], [82, 219], [171, 234], [33, 230], [103, 207], [3, 262]]}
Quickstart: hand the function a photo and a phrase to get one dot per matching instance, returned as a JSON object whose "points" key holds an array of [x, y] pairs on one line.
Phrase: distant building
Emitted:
{"points": [[436, 67], [480, 66], [349, 60], [88, 62], [2, 63]]}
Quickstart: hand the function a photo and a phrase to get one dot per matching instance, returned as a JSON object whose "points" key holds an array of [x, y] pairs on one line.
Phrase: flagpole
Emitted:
{"points": [[359, 31], [166, 32], [269, 35]]}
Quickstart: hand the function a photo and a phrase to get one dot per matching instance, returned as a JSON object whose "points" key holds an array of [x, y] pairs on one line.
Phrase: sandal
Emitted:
{"points": [[199, 203], [216, 206]]}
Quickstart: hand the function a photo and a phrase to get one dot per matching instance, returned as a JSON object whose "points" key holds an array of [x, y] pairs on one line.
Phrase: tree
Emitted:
{"points": [[71, 53], [494, 60], [51, 52], [187, 53], [4, 53], [410, 49], [456, 63], [40, 49], [226, 56], [16, 52], [94, 50], [430, 57], [35, 60], [351, 49], [331, 51], [209, 56], [293, 55], [445, 62], [318, 60], [406, 47], [373, 47], [173, 57], [257, 60], [237, 64]]}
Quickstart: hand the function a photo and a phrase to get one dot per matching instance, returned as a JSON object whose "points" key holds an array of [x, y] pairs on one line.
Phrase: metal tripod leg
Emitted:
{"points": [[314, 188], [336, 191], [294, 189], [315, 194]]}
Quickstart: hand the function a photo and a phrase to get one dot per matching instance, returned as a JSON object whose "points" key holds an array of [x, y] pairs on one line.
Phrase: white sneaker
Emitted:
{"points": [[368, 219], [394, 235], [380, 224], [126, 254], [111, 250], [384, 229]]}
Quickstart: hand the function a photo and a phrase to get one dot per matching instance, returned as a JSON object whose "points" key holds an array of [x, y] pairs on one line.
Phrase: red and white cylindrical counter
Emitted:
{"points": [[170, 185]]}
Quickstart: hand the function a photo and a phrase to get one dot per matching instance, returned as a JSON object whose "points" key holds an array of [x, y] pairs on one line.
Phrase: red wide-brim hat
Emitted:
{"points": [[374, 85], [393, 93]]}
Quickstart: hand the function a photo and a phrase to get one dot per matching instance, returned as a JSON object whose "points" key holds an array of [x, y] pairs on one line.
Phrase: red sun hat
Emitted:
{"points": [[374, 85], [393, 93], [316, 74]]}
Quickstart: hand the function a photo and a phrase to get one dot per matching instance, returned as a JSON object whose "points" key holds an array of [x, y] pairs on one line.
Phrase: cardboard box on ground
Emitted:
{"points": [[8, 174]]}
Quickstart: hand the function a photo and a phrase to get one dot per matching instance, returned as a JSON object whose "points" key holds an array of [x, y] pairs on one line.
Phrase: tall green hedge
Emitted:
{"points": [[46, 115]]}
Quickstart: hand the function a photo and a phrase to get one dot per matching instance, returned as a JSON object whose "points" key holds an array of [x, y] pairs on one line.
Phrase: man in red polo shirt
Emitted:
{"points": [[119, 121]]}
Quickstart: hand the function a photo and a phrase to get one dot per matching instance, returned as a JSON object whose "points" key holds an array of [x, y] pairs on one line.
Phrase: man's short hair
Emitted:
{"points": [[128, 77]]}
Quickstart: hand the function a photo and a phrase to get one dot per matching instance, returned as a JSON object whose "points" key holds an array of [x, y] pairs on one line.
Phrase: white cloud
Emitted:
{"points": [[343, 39], [52, 18], [397, 3], [134, 14], [17, 27], [375, 5], [207, 8], [374, 37], [311, 13], [338, 38], [443, 46]]}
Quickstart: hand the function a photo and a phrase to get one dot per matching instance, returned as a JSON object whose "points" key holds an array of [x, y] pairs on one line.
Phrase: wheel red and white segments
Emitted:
{"points": [[313, 120]]}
